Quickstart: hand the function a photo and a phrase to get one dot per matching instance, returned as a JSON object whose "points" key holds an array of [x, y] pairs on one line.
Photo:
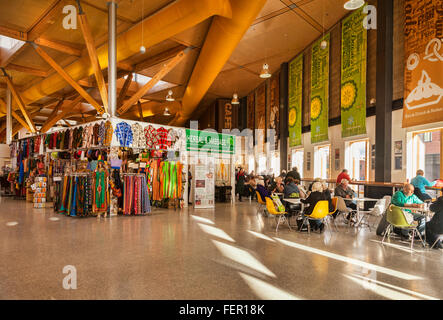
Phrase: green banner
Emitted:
{"points": [[320, 90], [353, 75], [295, 101], [211, 142]]}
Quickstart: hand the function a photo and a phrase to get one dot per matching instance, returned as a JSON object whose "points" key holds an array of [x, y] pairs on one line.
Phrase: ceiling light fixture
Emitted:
{"points": [[265, 71], [353, 4], [169, 96], [166, 113], [235, 99]]}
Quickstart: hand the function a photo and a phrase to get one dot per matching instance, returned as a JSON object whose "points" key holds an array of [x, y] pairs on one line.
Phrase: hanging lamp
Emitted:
{"points": [[169, 96], [353, 4], [235, 99], [166, 113], [265, 71]]}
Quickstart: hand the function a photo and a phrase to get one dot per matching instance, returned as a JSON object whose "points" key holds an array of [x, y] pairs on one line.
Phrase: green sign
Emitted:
{"points": [[320, 90], [211, 142], [295, 101], [353, 75]]}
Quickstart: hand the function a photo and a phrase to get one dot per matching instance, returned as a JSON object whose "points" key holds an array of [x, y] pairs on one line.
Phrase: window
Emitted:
{"points": [[8, 43], [322, 162], [427, 153], [276, 165], [297, 160], [357, 159], [261, 164], [251, 164]]}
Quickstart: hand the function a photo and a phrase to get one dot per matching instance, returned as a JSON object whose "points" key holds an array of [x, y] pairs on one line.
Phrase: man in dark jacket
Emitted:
{"points": [[435, 226]]}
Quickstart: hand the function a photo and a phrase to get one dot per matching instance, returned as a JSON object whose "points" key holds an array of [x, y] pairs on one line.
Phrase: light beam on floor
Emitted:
{"points": [[369, 280], [353, 261], [11, 224], [397, 246], [265, 290], [261, 236], [216, 232], [243, 257], [202, 219]]}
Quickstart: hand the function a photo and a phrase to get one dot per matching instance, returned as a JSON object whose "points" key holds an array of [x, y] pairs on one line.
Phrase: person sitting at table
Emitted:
{"points": [[344, 190], [435, 227], [420, 182], [294, 174], [277, 185], [328, 196], [262, 190], [407, 199], [291, 191], [303, 193], [343, 175], [315, 180], [315, 196]]}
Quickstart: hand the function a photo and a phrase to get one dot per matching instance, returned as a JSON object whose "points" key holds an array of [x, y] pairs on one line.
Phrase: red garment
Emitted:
{"points": [[342, 176], [162, 136]]}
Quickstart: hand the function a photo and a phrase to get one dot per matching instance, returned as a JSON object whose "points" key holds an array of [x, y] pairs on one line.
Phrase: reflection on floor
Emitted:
{"points": [[226, 253]]}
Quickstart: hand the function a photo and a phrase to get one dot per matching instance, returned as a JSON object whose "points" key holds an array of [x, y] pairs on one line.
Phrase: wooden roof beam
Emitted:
{"points": [[151, 83], [46, 20], [28, 70], [20, 103], [124, 90], [58, 46], [90, 45], [68, 79], [6, 56], [65, 110]]}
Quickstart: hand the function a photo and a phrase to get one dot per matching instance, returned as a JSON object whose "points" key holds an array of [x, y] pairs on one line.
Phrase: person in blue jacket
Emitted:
{"points": [[419, 183]]}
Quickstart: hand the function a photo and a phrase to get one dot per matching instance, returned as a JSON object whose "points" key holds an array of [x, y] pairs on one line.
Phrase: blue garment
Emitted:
{"points": [[421, 182], [263, 192], [21, 175], [124, 134]]}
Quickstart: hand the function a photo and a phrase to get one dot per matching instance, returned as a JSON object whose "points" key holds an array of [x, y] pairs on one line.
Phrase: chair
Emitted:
{"points": [[378, 211], [321, 211], [341, 207], [440, 237], [280, 217], [261, 203], [334, 201], [396, 218]]}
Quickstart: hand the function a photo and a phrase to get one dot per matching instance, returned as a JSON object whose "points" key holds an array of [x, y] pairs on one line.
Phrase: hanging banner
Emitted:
{"points": [[274, 107], [423, 93], [295, 101], [353, 75], [320, 90], [227, 115], [251, 110]]}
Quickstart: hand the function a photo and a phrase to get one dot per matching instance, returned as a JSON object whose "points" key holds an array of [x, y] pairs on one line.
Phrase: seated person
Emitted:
{"points": [[303, 193], [344, 190], [315, 180], [343, 175], [277, 185], [407, 199], [291, 190], [262, 190], [328, 197], [315, 196], [435, 226], [419, 183]]}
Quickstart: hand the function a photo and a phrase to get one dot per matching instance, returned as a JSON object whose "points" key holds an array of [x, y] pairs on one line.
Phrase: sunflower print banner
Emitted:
{"points": [[320, 90], [295, 100], [353, 75]]}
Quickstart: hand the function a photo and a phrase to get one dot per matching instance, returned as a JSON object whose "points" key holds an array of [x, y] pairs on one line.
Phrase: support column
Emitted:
{"points": [[284, 133], [383, 109], [112, 59], [8, 116]]}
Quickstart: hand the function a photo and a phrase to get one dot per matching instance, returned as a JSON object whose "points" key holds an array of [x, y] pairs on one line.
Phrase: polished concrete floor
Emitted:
{"points": [[226, 253]]}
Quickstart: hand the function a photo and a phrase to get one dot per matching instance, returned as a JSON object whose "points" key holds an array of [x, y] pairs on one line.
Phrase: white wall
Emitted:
{"points": [[336, 141]]}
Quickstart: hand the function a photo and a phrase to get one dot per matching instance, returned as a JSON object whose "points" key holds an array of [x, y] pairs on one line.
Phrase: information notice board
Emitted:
{"points": [[204, 185]]}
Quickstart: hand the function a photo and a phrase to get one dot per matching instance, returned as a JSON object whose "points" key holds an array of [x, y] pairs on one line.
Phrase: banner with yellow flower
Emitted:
{"points": [[353, 75], [295, 100], [320, 90]]}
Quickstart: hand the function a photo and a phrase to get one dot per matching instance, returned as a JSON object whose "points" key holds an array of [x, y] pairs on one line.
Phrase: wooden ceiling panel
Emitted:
{"points": [[194, 36], [326, 12], [270, 7], [22, 14]]}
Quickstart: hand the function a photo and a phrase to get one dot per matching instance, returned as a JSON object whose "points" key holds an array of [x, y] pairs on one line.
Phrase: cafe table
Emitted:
{"points": [[360, 200]]}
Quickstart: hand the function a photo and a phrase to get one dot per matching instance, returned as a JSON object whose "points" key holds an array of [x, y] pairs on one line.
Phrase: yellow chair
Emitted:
{"points": [[334, 201], [396, 218], [261, 203], [280, 217], [321, 211]]}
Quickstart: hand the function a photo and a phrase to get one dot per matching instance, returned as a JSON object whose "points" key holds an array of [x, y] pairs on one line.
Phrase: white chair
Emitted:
{"points": [[342, 208], [379, 209]]}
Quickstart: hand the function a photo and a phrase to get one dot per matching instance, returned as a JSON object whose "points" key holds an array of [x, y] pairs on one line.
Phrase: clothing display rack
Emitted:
{"points": [[135, 194]]}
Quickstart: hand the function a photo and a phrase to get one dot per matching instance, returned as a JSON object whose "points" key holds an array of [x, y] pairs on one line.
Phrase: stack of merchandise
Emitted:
{"points": [[39, 188]]}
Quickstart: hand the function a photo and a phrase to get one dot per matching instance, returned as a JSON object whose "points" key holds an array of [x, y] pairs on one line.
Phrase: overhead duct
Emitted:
{"points": [[223, 37], [175, 18]]}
